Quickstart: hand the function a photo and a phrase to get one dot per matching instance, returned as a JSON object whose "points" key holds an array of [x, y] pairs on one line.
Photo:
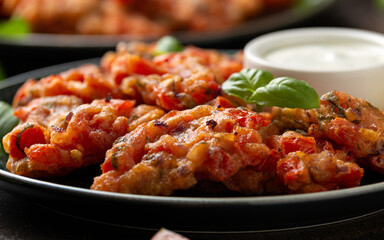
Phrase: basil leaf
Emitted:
{"points": [[14, 27], [379, 4], [259, 87], [286, 92], [244, 83], [7, 123], [168, 44], [2, 72]]}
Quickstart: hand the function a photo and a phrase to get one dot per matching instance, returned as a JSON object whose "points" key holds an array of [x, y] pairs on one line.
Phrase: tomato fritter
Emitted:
{"points": [[303, 173], [307, 164], [87, 82], [221, 145], [182, 148], [351, 124], [47, 109], [171, 81], [303, 164], [35, 119], [70, 139]]}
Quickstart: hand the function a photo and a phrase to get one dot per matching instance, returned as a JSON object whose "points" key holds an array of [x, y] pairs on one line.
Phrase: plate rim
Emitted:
{"points": [[264, 200]]}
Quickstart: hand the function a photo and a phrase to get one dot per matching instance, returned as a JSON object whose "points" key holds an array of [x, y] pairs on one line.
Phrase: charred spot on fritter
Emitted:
{"points": [[69, 116], [108, 98], [158, 123], [57, 129], [212, 123]]}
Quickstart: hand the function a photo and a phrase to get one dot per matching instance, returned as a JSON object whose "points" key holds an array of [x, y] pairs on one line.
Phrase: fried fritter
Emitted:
{"points": [[77, 137], [303, 173], [351, 124], [221, 145], [183, 147], [58, 16], [303, 164], [87, 82], [193, 76], [171, 81]]}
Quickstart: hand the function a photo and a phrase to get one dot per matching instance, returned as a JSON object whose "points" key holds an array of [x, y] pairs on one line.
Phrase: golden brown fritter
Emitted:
{"points": [[302, 172], [222, 145], [77, 137], [183, 147], [87, 82], [351, 124], [171, 81]]}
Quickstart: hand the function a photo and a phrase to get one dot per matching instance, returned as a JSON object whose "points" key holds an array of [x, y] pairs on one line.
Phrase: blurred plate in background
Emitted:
{"points": [[41, 50], [303, 10]]}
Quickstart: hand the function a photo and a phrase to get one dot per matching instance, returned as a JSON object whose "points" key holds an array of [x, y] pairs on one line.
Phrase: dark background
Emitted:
{"points": [[21, 219]]}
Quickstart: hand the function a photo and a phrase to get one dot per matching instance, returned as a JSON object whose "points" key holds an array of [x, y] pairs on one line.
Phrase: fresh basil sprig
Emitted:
{"points": [[14, 27], [168, 44], [261, 88]]}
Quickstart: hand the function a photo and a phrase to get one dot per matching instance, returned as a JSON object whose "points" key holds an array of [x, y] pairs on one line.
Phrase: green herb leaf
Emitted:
{"points": [[14, 27], [244, 83], [168, 44], [286, 92], [2, 72], [379, 4], [7, 123], [259, 87]]}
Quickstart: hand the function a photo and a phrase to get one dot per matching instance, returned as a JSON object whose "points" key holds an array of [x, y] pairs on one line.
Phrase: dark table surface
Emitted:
{"points": [[22, 219]]}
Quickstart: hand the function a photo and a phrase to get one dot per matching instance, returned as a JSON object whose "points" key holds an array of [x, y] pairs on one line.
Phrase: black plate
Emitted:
{"points": [[70, 195], [305, 10]]}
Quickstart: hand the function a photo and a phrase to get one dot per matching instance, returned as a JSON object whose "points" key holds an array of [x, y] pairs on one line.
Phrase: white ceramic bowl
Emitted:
{"points": [[364, 79]]}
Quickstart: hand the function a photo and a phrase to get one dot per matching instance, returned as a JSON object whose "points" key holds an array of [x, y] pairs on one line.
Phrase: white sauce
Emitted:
{"points": [[328, 56]]}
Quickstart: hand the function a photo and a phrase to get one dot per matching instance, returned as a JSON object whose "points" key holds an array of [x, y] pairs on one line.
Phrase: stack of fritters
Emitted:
{"points": [[162, 124]]}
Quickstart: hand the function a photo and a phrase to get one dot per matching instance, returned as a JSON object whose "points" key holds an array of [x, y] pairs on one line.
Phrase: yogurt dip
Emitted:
{"points": [[344, 59], [327, 55]]}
